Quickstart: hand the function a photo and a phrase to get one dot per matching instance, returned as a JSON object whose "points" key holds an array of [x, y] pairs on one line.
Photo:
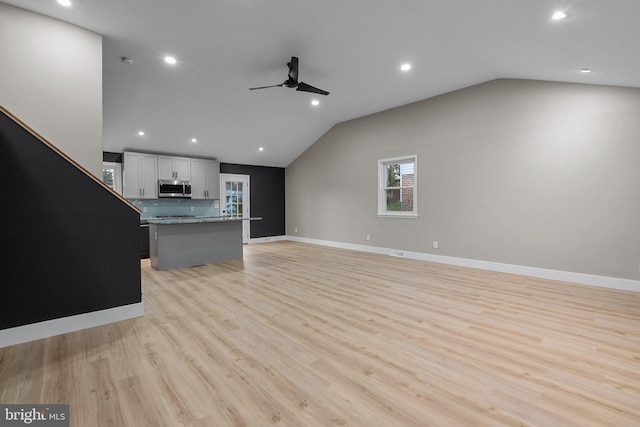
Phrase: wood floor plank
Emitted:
{"points": [[302, 335]]}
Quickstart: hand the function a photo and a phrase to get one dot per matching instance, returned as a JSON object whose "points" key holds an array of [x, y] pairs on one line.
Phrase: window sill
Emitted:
{"points": [[397, 215]]}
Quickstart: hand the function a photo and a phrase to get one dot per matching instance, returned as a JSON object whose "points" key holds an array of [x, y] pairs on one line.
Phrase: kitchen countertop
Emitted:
{"points": [[198, 220]]}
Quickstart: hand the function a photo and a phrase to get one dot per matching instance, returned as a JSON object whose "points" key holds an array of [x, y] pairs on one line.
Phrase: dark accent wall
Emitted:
{"points": [[70, 245], [267, 197], [111, 157]]}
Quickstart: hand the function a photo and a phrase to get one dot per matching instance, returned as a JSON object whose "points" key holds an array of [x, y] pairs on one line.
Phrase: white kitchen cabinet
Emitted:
{"points": [[198, 179], [212, 169], [174, 168], [205, 179], [140, 175]]}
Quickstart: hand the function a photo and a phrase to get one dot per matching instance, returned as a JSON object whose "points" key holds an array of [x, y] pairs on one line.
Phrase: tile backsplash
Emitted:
{"points": [[151, 208]]}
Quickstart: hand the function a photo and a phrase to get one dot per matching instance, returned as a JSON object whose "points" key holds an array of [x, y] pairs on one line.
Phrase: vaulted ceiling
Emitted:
{"points": [[353, 49]]}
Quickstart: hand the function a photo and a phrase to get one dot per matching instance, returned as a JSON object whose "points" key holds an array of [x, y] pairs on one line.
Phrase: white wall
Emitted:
{"points": [[528, 173], [51, 79]]}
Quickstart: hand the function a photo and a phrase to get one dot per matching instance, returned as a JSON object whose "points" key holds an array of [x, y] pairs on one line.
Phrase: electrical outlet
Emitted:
{"points": [[368, 237], [435, 244], [193, 208], [144, 209], [295, 230]]}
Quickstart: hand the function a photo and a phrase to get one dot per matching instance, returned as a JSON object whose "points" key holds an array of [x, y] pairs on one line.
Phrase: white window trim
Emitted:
{"points": [[382, 195]]}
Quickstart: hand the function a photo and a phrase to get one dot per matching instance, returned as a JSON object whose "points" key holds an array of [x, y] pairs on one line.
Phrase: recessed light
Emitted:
{"points": [[585, 70], [405, 67], [140, 133], [170, 60], [558, 15], [261, 149], [194, 140], [65, 3], [315, 102]]}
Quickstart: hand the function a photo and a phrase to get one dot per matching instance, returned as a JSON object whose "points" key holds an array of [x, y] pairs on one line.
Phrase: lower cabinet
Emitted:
{"points": [[144, 241]]}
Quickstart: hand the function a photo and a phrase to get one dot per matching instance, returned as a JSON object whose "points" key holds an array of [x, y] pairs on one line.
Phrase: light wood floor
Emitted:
{"points": [[301, 335]]}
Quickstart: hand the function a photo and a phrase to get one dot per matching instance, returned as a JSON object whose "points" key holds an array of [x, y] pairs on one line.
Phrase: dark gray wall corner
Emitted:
{"points": [[267, 197]]}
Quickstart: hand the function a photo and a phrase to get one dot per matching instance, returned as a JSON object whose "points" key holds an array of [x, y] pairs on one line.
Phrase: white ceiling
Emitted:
{"points": [[351, 48]]}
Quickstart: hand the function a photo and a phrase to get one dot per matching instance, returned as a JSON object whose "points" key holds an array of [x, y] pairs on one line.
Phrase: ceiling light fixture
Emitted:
{"points": [[261, 149], [170, 60], [194, 140], [65, 3], [405, 67], [585, 70], [315, 102], [559, 15], [140, 133]]}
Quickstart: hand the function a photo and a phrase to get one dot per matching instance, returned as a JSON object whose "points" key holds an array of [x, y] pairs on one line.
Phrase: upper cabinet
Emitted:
{"points": [[205, 179], [142, 171], [174, 168], [140, 176]]}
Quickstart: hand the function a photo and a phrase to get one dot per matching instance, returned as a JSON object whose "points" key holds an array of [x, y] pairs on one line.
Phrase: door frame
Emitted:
{"points": [[246, 201]]}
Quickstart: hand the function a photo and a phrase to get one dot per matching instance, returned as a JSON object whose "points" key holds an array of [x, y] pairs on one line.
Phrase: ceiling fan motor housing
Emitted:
{"points": [[291, 83]]}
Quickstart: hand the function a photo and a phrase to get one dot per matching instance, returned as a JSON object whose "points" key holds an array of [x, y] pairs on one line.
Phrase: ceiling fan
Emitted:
{"points": [[292, 81]]}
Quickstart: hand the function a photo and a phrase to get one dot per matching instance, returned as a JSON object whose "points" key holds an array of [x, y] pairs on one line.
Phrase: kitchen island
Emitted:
{"points": [[187, 242]]}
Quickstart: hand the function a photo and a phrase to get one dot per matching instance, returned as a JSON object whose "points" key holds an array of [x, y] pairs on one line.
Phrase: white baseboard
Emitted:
{"points": [[564, 276], [50, 328], [267, 239]]}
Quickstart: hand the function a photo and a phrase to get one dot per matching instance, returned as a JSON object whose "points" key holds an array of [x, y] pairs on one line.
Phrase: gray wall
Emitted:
{"points": [[51, 79], [522, 172]]}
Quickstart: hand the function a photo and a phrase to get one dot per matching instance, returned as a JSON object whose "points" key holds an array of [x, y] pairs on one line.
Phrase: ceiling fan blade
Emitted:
{"points": [[303, 87], [265, 87], [293, 69]]}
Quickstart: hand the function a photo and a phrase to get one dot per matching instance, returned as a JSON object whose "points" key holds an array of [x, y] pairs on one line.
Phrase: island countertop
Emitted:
{"points": [[198, 219]]}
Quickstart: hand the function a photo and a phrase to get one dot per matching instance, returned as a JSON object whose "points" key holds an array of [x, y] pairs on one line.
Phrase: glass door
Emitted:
{"points": [[234, 191]]}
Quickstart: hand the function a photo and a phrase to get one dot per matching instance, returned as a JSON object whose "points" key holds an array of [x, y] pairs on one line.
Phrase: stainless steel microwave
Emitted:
{"points": [[179, 189]]}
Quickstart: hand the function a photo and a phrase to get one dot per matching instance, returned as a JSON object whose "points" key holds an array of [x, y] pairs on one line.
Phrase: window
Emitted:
{"points": [[112, 175], [398, 187]]}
